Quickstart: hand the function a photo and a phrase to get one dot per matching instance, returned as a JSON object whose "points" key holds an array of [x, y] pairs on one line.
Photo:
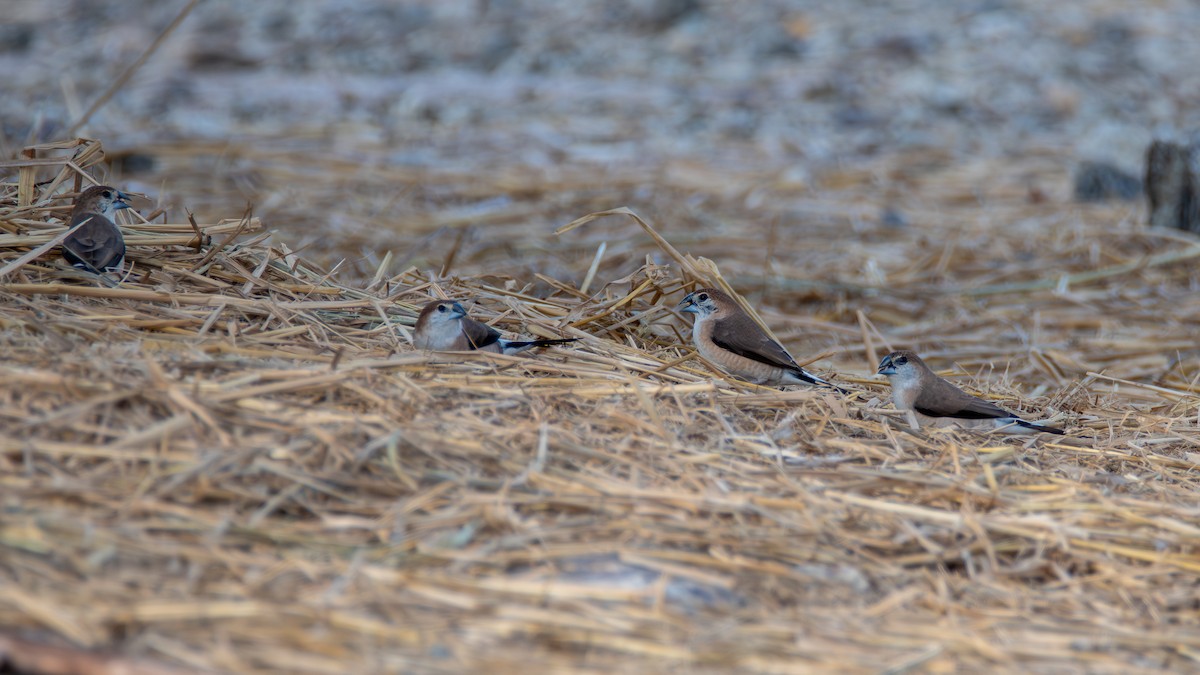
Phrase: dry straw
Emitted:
{"points": [[232, 461]]}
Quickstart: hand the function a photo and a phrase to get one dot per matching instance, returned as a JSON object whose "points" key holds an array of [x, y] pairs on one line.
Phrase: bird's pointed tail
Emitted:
{"points": [[813, 379], [514, 346], [1039, 427]]}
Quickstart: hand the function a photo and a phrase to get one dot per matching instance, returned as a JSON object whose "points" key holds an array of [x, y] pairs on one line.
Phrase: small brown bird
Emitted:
{"points": [[443, 326], [97, 246], [726, 335], [936, 401]]}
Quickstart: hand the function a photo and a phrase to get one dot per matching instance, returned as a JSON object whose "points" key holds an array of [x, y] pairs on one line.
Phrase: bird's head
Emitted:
{"points": [[902, 364], [101, 199], [440, 312], [706, 302]]}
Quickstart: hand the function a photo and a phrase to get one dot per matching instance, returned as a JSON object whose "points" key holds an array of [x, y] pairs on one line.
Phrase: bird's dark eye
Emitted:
{"points": [[703, 297], [107, 194], [902, 360], [441, 308]]}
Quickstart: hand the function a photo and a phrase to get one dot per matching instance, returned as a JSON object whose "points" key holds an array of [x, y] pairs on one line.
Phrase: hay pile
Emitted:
{"points": [[234, 461]]}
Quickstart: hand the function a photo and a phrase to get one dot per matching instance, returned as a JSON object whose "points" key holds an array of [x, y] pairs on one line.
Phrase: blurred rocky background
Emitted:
{"points": [[351, 125]]}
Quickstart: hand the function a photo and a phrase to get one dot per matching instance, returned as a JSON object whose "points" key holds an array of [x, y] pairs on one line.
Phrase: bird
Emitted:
{"points": [[725, 335], [443, 326], [97, 245], [936, 401]]}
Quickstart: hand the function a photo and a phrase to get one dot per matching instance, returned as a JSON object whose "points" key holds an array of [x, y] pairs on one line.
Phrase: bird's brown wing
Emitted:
{"points": [[479, 335], [740, 335], [942, 399], [97, 244]]}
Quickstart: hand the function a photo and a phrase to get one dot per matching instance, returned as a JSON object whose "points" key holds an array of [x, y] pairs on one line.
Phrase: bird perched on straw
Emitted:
{"points": [[443, 326], [96, 245], [934, 400], [725, 335]]}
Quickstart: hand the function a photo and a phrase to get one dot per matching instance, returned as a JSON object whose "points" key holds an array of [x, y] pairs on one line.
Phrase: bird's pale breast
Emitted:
{"points": [[439, 338], [904, 392]]}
